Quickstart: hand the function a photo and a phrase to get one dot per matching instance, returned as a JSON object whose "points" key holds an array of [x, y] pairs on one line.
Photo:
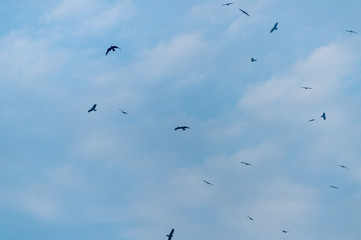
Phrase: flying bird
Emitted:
{"points": [[275, 27], [111, 48], [285, 231], [208, 182], [331, 186], [253, 60], [311, 120], [92, 108], [250, 218], [351, 31], [306, 87], [323, 116], [170, 235], [342, 166], [246, 163], [181, 127], [227, 4], [122, 111], [244, 12]]}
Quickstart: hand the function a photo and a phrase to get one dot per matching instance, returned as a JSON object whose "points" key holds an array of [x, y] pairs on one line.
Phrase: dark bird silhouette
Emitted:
{"points": [[351, 31], [170, 235], [323, 116], [208, 182], [275, 27], [253, 60], [111, 48], [285, 231], [342, 166], [93, 108], [227, 4], [331, 186], [311, 120], [306, 87], [246, 163], [250, 218], [244, 12], [181, 127], [122, 111]]}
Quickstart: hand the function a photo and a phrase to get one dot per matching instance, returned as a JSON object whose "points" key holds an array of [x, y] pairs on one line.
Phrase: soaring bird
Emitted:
{"points": [[170, 235], [311, 120], [244, 12], [208, 182], [246, 163], [285, 231], [122, 111], [250, 218], [181, 127], [92, 108], [253, 60], [323, 116], [351, 31], [342, 166], [331, 186], [111, 48], [306, 87], [274, 27], [227, 4]]}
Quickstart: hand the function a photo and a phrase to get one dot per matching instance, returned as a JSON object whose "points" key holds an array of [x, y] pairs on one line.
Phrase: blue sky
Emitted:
{"points": [[67, 173]]}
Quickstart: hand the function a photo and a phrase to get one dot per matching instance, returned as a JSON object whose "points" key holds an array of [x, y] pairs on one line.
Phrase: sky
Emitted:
{"points": [[69, 174]]}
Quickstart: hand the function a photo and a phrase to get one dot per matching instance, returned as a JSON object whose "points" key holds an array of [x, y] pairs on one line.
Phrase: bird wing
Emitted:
{"points": [[92, 108], [108, 50], [274, 27], [244, 12], [207, 182]]}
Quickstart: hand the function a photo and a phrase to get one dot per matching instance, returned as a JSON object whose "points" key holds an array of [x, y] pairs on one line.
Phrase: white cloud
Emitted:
{"points": [[325, 71], [27, 60], [34, 200], [172, 58], [89, 17]]}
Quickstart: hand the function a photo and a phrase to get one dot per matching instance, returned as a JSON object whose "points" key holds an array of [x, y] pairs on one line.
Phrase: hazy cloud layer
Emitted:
{"points": [[67, 173]]}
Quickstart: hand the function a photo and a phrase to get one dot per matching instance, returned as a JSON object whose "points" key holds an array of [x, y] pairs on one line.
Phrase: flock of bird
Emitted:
{"points": [[323, 116]]}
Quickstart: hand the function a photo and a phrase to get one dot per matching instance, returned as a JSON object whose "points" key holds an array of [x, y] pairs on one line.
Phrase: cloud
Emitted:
{"points": [[324, 71], [89, 17], [173, 58], [26, 60]]}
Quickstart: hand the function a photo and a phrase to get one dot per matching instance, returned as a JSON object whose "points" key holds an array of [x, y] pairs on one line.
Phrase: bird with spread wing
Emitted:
{"points": [[170, 235], [208, 183], [92, 108], [181, 127], [244, 12], [275, 27], [111, 48]]}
